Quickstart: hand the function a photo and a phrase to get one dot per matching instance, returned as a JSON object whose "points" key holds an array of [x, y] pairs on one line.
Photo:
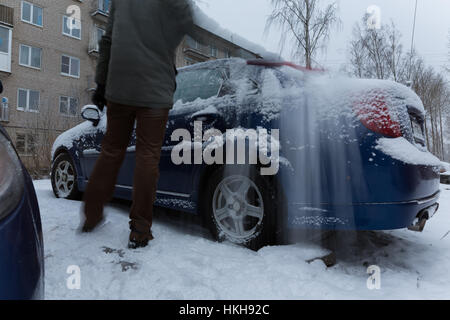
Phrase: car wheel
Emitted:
{"points": [[64, 178], [240, 206]]}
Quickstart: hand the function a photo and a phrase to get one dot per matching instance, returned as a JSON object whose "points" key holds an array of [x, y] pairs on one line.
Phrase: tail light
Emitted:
{"points": [[374, 114]]}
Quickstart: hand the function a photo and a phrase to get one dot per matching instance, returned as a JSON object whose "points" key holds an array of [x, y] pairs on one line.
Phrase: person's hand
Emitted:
{"points": [[98, 98]]}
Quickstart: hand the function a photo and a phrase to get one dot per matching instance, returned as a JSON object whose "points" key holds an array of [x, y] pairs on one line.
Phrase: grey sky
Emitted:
{"points": [[248, 18]]}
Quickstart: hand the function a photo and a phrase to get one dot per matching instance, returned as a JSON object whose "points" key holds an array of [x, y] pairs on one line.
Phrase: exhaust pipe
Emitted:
{"points": [[422, 218]]}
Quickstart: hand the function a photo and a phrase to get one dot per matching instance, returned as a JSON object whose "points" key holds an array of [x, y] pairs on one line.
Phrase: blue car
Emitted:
{"points": [[21, 241], [307, 152]]}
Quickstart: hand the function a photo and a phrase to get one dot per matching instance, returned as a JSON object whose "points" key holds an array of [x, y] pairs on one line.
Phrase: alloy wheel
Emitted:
{"points": [[64, 178], [238, 207]]}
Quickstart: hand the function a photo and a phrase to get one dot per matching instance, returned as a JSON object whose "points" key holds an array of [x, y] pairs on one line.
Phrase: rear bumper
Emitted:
{"points": [[21, 250], [354, 186], [358, 216]]}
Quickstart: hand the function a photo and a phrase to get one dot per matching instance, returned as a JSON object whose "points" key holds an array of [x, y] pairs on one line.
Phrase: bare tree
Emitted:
{"points": [[42, 128], [358, 54], [448, 66], [377, 53], [435, 95], [394, 54], [305, 22]]}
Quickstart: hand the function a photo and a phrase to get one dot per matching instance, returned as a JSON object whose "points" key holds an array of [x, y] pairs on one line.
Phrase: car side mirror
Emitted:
{"points": [[92, 114], [1, 87]]}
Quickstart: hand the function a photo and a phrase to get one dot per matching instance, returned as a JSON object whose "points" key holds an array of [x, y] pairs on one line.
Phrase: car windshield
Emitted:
{"points": [[198, 83]]}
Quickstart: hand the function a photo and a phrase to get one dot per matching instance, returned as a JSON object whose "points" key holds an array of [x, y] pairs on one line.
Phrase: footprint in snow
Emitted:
{"points": [[128, 265], [119, 252]]}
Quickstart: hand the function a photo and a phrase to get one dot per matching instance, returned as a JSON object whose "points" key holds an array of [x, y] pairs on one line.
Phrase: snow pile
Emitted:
{"points": [[401, 149], [206, 22], [183, 263]]}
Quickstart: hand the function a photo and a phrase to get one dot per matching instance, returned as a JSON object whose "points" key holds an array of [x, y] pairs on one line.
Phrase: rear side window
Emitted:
{"points": [[200, 83]]}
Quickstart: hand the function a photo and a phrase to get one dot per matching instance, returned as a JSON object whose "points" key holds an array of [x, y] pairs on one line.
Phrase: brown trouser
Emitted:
{"points": [[150, 130]]}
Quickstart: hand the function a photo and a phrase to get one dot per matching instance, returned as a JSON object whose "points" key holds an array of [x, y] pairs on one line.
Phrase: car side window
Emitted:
{"points": [[198, 83]]}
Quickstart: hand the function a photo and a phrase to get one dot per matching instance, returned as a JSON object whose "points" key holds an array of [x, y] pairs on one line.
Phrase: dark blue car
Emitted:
{"points": [[21, 241], [330, 154]]}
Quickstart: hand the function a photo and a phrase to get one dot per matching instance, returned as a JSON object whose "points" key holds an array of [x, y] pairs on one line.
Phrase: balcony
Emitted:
{"points": [[6, 15], [93, 49], [6, 27], [95, 37], [100, 10], [195, 50]]}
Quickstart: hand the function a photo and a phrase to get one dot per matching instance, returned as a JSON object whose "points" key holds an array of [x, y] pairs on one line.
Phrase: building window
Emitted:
{"points": [[4, 40], [227, 54], [103, 6], [213, 51], [96, 37], [100, 33], [28, 100], [68, 106], [25, 143], [5, 49], [70, 66], [72, 27], [31, 13], [192, 43], [30, 56]]}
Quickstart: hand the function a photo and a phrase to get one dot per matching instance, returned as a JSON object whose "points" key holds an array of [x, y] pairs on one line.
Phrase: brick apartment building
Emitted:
{"points": [[48, 55]]}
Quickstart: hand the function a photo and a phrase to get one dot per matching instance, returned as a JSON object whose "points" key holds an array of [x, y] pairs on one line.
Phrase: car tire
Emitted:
{"points": [[64, 178], [242, 217]]}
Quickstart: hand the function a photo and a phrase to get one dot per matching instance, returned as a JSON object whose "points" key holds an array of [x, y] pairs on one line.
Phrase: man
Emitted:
{"points": [[136, 79]]}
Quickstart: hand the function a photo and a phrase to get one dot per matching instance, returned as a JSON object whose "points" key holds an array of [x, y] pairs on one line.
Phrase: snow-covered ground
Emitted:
{"points": [[183, 263]]}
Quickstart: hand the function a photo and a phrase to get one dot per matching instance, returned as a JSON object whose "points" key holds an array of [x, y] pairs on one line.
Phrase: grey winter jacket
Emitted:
{"points": [[137, 52]]}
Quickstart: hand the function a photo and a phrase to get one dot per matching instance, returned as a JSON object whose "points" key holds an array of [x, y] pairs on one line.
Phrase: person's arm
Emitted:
{"points": [[105, 50], [182, 10]]}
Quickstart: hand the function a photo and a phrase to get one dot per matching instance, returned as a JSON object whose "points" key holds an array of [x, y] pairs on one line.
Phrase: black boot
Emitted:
{"points": [[139, 239]]}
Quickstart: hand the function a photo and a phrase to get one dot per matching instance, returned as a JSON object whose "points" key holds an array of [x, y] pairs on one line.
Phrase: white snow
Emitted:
{"points": [[184, 263], [446, 166], [207, 23], [335, 95], [67, 138], [401, 149], [207, 111]]}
